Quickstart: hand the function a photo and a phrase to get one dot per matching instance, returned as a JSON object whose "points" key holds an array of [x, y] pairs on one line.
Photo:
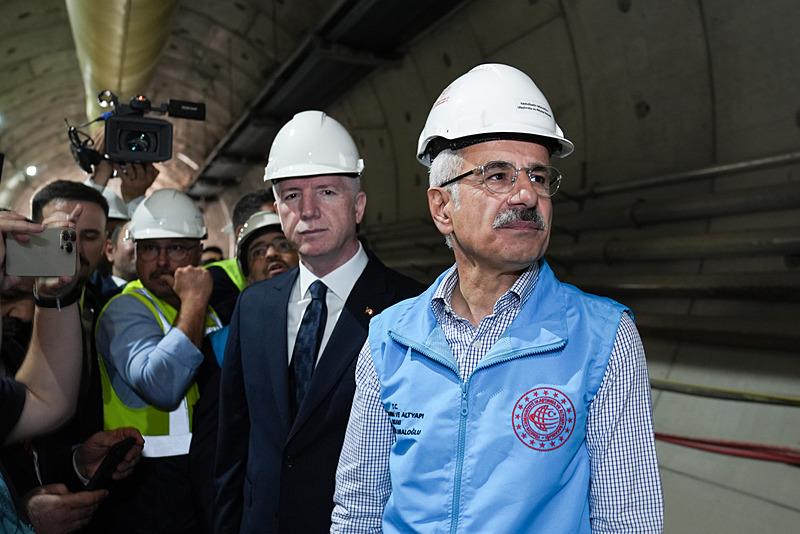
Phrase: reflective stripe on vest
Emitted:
{"points": [[165, 433]]}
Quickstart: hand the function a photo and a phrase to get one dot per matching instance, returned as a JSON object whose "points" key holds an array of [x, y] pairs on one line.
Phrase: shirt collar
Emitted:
{"points": [[341, 280], [517, 294]]}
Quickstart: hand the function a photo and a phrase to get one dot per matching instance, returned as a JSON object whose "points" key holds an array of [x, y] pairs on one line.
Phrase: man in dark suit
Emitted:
{"points": [[288, 373]]}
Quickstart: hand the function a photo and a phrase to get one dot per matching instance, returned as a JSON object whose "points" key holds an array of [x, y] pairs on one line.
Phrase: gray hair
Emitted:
{"points": [[445, 166], [354, 184]]}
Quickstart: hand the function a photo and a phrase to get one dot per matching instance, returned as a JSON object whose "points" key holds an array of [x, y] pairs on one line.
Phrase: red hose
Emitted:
{"points": [[755, 451]]}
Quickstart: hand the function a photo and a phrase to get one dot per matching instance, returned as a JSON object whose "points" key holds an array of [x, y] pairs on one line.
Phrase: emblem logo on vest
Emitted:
{"points": [[543, 419]]}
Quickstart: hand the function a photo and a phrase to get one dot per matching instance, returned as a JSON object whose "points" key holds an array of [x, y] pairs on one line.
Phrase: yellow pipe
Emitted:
{"points": [[118, 43]]}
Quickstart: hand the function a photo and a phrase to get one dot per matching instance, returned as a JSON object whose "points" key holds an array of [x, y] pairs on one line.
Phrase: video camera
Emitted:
{"points": [[130, 137]]}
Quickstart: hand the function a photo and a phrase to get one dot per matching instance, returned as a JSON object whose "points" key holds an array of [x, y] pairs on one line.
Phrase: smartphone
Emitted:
{"points": [[103, 476], [50, 253]]}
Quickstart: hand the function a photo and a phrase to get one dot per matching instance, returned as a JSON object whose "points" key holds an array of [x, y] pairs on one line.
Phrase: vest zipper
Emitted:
{"points": [[462, 426], [462, 431]]}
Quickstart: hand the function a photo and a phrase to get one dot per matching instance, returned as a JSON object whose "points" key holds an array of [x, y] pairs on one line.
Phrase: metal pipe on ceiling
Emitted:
{"points": [[118, 43], [715, 204], [778, 241], [598, 189]]}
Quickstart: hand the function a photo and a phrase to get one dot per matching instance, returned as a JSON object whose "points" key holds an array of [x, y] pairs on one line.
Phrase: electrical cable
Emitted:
{"points": [[723, 393]]}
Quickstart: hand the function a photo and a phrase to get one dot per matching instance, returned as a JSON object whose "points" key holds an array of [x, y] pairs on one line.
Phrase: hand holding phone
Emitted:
{"points": [[104, 475], [14, 226], [50, 253]]}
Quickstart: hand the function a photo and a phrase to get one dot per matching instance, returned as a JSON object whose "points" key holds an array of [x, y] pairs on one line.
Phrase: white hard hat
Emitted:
{"points": [[259, 221], [116, 206], [167, 213], [312, 144], [490, 102]]}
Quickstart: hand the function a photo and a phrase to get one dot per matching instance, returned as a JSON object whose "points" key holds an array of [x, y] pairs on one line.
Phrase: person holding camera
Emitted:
{"points": [[49, 205], [150, 340], [44, 392], [56, 483], [134, 178]]}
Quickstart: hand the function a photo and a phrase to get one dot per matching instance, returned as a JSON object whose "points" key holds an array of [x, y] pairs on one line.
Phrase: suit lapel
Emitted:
{"points": [[368, 297], [274, 346]]}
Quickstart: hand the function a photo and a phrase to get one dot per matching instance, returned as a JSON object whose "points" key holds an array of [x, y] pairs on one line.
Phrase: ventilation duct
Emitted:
{"points": [[118, 43]]}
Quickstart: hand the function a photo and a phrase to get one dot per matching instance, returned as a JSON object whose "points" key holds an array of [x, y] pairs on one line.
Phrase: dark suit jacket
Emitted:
{"points": [[273, 474]]}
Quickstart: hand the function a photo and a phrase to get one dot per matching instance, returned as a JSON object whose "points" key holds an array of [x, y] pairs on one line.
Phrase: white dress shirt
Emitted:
{"points": [[340, 282]]}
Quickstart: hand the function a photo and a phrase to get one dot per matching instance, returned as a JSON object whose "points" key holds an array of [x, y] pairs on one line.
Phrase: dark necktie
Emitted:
{"points": [[306, 346]]}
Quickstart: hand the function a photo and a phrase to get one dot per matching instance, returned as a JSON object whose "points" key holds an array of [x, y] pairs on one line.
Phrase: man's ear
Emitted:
{"points": [[108, 251], [440, 205], [360, 205]]}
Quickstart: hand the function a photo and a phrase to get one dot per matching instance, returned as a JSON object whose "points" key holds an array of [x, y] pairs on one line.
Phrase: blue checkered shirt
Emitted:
{"points": [[625, 488]]}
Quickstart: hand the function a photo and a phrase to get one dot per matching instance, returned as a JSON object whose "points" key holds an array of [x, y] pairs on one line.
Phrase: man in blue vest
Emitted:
{"points": [[500, 400], [150, 340]]}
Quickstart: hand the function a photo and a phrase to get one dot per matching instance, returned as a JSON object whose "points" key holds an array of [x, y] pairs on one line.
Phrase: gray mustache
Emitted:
{"points": [[521, 214]]}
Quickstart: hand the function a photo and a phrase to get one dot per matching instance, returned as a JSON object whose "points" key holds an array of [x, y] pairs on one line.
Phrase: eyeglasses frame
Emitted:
{"points": [[480, 169]]}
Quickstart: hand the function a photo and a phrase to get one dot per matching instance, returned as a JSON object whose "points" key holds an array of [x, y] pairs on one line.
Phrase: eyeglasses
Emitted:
{"points": [[175, 251], [500, 176], [280, 244]]}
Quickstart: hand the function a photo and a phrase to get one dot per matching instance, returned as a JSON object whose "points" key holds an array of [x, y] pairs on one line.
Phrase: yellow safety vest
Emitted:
{"points": [[165, 433], [231, 268]]}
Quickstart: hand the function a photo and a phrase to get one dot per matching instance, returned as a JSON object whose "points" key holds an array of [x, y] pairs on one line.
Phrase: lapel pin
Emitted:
{"points": [[369, 311]]}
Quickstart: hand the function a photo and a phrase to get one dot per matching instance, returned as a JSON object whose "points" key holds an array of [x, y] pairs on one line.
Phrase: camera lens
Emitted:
{"points": [[137, 141], [68, 247], [65, 235]]}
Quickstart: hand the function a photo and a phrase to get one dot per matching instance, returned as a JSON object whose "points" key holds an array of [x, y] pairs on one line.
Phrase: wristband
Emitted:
{"points": [[57, 302]]}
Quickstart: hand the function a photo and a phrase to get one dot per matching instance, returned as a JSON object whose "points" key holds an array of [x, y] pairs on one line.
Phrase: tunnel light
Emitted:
{"points": [[30, 170]]}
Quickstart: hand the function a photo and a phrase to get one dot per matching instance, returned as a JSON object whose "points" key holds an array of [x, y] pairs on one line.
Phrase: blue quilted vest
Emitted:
{"points": [[504, 451]]}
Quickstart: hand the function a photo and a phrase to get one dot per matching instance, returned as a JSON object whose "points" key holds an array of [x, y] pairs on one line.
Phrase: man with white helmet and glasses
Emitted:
{"points": [[149, 341], [500, 400], [262, 250], [287, 376]]}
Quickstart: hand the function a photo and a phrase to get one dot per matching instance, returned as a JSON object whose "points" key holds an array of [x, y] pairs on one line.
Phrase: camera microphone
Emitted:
{"points": [[183, 109]]}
